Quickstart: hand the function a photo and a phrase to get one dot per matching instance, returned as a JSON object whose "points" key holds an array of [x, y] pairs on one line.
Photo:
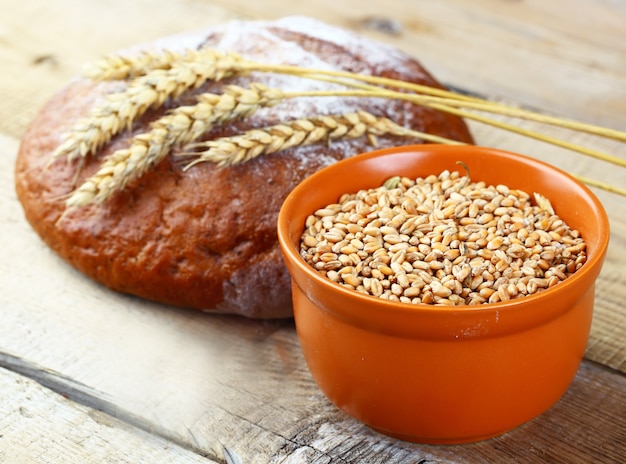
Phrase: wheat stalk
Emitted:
{"points": [[449, 105], [183, 125], [353, 79], [150, 90], [228, 151]]}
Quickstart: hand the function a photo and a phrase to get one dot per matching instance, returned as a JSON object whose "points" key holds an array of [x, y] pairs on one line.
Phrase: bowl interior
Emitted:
{"points": [[572, 201]]}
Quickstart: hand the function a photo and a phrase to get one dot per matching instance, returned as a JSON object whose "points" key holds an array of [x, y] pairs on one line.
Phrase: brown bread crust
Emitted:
{"points": [[205, 238]]}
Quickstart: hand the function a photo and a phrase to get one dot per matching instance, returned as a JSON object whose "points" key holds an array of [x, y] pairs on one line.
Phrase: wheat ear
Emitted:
{"points": [[151, 90], [183, 125], [227, 151], [119, 67]]}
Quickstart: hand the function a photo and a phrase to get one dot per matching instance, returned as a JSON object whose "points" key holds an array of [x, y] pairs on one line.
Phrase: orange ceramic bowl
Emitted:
{"points": [[435, 374]]}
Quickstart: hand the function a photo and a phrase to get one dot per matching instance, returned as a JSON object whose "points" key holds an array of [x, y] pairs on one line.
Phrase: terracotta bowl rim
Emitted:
{"points": [[593, 262]]}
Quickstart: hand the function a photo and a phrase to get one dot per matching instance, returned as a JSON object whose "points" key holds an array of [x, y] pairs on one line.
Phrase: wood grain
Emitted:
{"points": [[181, 386], [39, 426]]}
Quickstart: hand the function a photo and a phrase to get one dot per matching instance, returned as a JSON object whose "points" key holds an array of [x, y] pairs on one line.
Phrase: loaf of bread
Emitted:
{"points": [[205, 237]]}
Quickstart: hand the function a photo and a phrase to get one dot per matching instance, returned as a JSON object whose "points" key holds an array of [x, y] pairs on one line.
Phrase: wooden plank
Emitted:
{"points": [[39, 426]]}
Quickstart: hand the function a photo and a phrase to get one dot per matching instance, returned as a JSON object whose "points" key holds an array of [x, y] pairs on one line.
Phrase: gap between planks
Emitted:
{"points": [[91, 398], [332, 437]]}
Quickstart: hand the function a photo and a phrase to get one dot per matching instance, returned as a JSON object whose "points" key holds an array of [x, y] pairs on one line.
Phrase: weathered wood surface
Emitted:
{"points": [[180, 386], [37, 425]]}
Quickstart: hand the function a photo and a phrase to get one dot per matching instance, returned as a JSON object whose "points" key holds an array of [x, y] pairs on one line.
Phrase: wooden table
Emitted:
{"points": [[88, 375]]}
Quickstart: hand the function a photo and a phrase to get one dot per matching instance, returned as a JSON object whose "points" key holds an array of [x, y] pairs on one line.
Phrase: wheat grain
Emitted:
{"points": [[227, 151], [151, 90], [446, 262], [183, 125]]}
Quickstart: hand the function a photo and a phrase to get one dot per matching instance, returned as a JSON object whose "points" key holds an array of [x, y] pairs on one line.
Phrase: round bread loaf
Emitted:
{"points": [[205, 237]]}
